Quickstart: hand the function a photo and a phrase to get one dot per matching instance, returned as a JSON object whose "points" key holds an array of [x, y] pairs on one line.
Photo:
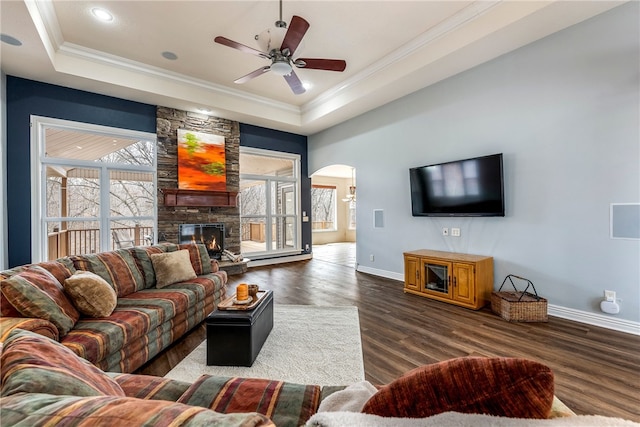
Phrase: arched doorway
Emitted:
{"points": [[333, 214]]}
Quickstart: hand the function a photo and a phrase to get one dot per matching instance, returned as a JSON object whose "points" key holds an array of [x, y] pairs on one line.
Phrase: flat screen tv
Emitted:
{"points": [[470, 187]]}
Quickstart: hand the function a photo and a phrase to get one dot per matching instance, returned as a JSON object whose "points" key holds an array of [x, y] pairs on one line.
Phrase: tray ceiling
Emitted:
{"points": [[392, 48]]}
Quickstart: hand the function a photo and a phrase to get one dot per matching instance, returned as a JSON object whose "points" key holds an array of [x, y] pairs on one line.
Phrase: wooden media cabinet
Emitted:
{"points": [[461, 279]]}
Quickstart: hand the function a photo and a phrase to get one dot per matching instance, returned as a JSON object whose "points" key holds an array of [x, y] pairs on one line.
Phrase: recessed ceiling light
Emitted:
{"points": [[307, 85], [169, 55], [102, 14], [6, 38], [204, 110]]}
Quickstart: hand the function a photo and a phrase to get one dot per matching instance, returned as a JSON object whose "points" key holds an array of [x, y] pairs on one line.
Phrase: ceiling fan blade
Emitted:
{"points": [[294, 83], [297, 29], [251, 75], [321, 64], [246, 49]]}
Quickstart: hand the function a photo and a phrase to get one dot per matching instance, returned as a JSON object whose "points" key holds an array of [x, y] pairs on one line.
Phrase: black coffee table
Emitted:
{"points": [[235, 337]]}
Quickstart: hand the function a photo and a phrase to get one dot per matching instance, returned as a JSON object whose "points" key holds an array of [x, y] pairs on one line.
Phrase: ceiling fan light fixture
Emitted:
{"points": [[281, 68], [271, 38]]}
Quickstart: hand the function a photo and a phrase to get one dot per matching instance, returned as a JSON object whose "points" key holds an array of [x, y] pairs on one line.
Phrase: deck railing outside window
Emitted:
{"points": [[87, 241]]}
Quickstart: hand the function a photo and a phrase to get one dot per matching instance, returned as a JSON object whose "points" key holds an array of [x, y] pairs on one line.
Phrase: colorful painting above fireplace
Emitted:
{"points": [[201, 161]]}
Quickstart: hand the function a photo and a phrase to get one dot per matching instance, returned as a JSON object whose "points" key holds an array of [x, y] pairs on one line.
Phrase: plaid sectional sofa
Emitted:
{"points": [[70, 369], [45, 383], [145, 320]]}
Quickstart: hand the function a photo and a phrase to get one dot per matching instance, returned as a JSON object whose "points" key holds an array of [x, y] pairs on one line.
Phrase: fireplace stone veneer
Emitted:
{"points": [[178, 210]]}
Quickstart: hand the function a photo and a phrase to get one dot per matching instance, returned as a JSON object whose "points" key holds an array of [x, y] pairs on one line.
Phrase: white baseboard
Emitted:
{"points": [[381, 273], [595, 319], [280, 260]]}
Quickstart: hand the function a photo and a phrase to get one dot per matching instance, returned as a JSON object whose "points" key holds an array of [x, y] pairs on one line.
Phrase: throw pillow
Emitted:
{"points": [[199, 256], [172, 267], [60, 268], [509, 387], [6, 309], [35, 292], [141, 256], [31, 363], [117, 267], [91, 294]]}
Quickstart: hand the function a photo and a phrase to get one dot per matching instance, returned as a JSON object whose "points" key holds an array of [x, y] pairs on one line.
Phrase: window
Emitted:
{"points": [[323, 208], [269, 203], [94, 187]]}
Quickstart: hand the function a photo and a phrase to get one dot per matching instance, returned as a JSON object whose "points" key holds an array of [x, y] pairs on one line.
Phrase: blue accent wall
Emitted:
{"points": [[274, 140], [26, 98]]}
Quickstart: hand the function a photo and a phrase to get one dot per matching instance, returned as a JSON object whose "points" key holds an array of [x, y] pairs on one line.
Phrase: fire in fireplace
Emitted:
{"points": [[211, 235]]}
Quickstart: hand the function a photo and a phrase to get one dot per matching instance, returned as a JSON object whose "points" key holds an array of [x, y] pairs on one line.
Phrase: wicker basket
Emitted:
{"points": [[519, 306]]}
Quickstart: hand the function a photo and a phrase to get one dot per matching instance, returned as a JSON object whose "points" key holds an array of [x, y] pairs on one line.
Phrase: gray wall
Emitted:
{"points": [[564, 111]]}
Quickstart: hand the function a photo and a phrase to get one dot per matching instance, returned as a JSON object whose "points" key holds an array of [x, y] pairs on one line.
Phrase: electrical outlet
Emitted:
{"points": [[445, 231], [455, 232], [372, 258], [610, 295]]}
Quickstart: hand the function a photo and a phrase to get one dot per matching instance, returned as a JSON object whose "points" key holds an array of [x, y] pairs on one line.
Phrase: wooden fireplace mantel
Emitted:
{"points": [[177, 197]]}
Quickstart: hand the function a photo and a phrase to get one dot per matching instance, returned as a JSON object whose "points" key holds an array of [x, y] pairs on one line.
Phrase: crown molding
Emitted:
{"points": [[46, 23], [102, 58], [43, 15]]}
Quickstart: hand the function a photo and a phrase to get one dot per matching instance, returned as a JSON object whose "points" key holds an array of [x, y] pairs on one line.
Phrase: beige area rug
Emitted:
{"points": [[308, 345]]}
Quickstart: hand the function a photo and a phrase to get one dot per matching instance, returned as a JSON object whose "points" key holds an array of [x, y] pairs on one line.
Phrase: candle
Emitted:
{"points": [[242, 292]]}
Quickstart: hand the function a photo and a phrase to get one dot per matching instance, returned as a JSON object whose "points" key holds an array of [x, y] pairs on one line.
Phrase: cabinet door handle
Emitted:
{"points": [[418, 275], [454, 281]]}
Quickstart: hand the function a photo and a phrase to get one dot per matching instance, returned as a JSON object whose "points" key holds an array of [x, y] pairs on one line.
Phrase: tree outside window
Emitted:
{"points": [[323, 208], [96, 187]]}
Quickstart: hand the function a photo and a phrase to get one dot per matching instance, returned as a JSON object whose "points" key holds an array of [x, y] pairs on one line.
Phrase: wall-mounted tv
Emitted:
{"points": [[469, 187]]}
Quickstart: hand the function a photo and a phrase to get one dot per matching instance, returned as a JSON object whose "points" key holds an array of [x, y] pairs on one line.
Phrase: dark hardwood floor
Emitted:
{"points": [[597, 371]]}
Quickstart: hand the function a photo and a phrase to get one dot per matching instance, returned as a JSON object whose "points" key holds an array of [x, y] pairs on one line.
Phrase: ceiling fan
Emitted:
{"points": [[281, 57]]}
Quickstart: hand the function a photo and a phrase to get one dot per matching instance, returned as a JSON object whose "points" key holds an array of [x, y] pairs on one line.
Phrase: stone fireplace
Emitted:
{"points": [[171, 216]]}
